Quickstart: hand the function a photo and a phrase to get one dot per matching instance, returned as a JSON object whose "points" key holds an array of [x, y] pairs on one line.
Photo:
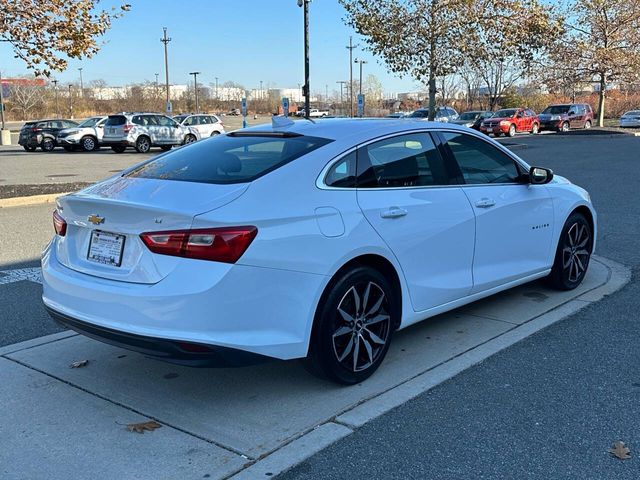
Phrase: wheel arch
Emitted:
{"points": [[588, 214], [373, 260]]}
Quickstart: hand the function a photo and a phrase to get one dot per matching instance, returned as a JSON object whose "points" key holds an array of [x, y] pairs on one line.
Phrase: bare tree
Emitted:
{"points": [[25, 97]]}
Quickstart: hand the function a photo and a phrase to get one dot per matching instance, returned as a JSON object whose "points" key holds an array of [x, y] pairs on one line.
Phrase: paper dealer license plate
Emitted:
{"points": [[106, 248]]}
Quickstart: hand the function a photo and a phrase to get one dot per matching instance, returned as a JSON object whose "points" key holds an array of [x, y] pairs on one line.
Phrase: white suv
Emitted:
{"points": [[207, 125], [145, 130], [87, 135]]}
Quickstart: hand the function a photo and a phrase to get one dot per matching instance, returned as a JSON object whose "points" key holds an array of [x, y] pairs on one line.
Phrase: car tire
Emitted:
{"points": [[166, 148], [564, 128], [587, 125], [28, 148], [118, 148], [89, 143], [189, 138], [572, 253], [349, 342], [48, 144], [535, 129], [214, 133], [143, 144], [512, 130]]}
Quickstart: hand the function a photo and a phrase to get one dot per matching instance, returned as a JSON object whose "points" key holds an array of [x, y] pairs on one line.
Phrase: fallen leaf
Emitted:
{"points": [[79, 364], [141, 427], [620, 451]]}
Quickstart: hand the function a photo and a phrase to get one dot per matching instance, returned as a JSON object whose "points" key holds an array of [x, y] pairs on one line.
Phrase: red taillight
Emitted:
{"points": [[127, 127], [59, 224], [226, 244], [34, 129]]}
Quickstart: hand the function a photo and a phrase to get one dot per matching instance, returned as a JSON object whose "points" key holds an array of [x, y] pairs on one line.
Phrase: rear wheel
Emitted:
{"points": [[572, 254], [118, 148], [587, 124], [143, 144], [190, 138], [534, 129], [48, 144], [89, 143], [353, 327], [214, 133], [564, 127], [512, 130]]}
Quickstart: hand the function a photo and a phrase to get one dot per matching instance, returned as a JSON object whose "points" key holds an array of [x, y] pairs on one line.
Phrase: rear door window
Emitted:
{"points": [[238, 158], [115, 120]]}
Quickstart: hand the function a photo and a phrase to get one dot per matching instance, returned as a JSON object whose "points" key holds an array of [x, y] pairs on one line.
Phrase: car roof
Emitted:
{"points": [[353, 128]]}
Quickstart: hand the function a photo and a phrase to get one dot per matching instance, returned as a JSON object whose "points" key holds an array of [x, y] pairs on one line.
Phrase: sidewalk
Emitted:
{"points": [[256, 422]]}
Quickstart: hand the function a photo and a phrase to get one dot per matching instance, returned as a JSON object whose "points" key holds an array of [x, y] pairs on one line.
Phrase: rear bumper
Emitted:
{"points": [[173, 351], [552, 125], [116, 143], [497, 129], [264, 311]]}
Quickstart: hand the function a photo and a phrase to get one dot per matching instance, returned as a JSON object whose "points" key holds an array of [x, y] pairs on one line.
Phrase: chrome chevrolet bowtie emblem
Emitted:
{"points": [[95, 219]]}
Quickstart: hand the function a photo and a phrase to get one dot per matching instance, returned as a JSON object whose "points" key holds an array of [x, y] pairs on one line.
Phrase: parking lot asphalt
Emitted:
{"points": [[550, 406]]}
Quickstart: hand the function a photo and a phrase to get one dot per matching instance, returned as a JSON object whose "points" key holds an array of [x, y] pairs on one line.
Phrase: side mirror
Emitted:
{"points": [[540, 175]]}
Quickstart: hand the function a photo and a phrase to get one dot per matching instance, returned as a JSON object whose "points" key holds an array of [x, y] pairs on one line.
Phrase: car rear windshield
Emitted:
{"points": [[115, 120], [556, 109], [235, 158]]}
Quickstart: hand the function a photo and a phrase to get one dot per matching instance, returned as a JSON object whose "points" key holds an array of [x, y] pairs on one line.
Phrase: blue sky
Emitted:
{"points": [[240, 40]]}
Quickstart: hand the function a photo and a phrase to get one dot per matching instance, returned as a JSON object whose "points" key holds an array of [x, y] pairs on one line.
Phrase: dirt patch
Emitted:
{"points": [[12, 191]]}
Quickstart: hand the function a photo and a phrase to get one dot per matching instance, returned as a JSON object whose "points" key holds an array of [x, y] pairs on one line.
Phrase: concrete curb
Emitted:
{"points": [[30, 200], [288, 456]]}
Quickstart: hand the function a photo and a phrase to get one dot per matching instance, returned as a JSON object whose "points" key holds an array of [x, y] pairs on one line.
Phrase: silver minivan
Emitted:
{"points": [[145, 130]]}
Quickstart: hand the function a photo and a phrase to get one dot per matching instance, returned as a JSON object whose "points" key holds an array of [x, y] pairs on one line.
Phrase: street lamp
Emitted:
{"points": [[306, 88], [55, 88], [342, 83], [70, 102], [81, 84], [195, 87], [361, 62], [166, 41]]}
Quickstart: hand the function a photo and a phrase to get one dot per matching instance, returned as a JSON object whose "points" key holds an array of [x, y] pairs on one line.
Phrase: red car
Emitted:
{"points": [[508, 121]]}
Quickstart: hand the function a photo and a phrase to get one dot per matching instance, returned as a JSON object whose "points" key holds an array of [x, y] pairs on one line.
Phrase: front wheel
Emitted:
{"points": [[353, 327], [89, 143], [48, 144], [190, 138], [572, 254]]}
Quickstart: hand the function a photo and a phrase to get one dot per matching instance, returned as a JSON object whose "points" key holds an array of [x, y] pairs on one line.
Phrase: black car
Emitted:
{"points": [[472, 119], [42, 133]]}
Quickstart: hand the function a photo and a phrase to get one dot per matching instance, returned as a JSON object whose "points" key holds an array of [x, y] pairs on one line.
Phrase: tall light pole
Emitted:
{"points": [[361, 62], [342, 83], [350, 47], [55, 89], [216, 88], [70, 102], [306, 89], [260, 94], [156, 74], [1, 104], [195, 88], [166, 40], [81, 84]]}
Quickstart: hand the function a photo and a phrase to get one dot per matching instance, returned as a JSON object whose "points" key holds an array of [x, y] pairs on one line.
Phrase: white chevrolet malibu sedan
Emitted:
{"points": [[308, 240]]}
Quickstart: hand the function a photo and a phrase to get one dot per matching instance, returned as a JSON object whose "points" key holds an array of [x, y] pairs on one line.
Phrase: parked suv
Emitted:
{"points": [[145, 130], [508, 121], [206, 125], [561, 118], [443, 114], [87, 135], [42, 133]]}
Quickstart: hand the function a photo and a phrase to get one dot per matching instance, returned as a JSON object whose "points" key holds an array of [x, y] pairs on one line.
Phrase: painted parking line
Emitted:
{"points": [[19, 274]]}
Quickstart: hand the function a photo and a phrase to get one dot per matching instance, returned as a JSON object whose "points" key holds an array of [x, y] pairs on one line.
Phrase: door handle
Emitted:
{"points": [[485, 203], [393, 212]]}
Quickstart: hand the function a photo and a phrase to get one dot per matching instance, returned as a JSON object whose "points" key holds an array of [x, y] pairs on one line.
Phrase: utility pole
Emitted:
{"points": [[342, 83], [55, 89], [70, 102], [350, 47], [306, 89], [361, 62], [195, 88], [260, 94], [81, 85], [157, 74], [1, 104], [326, 93], [166, 40], [216, 88]]}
